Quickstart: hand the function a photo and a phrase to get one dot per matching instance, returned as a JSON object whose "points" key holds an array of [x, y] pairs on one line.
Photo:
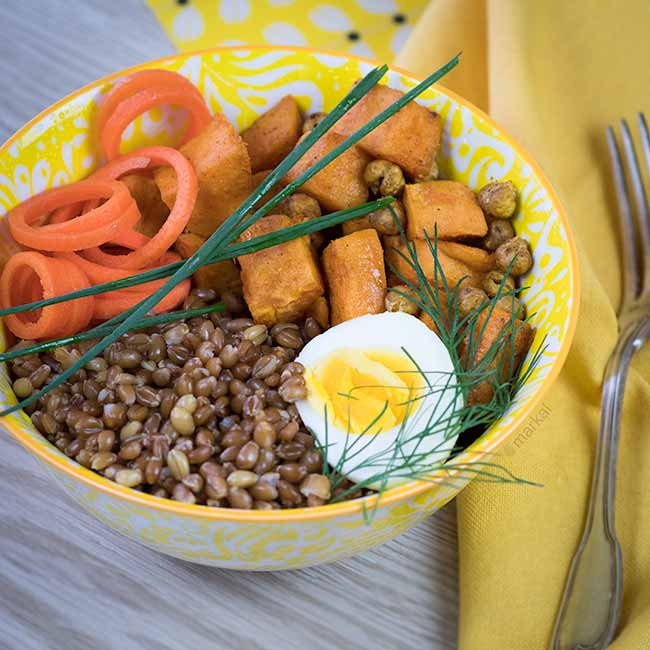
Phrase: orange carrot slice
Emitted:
{"points": [[154, 248], [111, 304], [93, 228], [66, 213], [141, 80], [127, 110], [112, 171], [130, 238], [29, 276], [99, 274], [109, 172], [80, 311], [127, 164]]}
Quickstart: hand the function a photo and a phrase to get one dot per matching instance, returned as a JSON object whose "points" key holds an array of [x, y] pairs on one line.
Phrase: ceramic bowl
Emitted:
{"points": [[58, 146]]}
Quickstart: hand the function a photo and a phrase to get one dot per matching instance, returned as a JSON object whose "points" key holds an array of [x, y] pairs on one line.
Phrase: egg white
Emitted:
{"points": [[390, 331]]}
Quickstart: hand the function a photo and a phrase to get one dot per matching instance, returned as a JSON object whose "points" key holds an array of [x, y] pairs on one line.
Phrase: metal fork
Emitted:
{"points": [[591, 603]]}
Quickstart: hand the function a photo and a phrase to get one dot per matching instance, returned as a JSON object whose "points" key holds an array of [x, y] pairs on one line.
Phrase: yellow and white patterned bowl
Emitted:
{"points": [[58, 147]]}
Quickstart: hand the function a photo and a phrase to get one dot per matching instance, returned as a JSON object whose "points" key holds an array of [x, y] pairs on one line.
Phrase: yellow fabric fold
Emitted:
{"points": [[460, 26], [555, 73], [372, 28]]}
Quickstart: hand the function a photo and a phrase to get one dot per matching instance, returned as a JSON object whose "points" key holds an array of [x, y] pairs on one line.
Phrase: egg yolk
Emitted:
{"points": [[365, 391]]}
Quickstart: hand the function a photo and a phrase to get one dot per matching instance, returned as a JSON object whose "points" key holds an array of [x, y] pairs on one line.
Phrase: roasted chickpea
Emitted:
{"points": [[358, 223], [512, 304], [299, 205], [384, 177], [312, 121], [305, 207], [317, 239], [495, 280], [470, 299], [383, 221], [397, 302], [517, 249], [498, 199], [499, 232]]}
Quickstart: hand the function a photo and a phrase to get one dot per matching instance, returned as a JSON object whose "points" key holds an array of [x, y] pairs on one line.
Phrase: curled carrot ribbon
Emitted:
{"points": [[140, 92], [152, 249], [92, 228], [67, 225], [29, 276]]}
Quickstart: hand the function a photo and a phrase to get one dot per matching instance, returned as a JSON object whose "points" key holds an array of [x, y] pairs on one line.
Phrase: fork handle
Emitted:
{"points": [[591, 602]]}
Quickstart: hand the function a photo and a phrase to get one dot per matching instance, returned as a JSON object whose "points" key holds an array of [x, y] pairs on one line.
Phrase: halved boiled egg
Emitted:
{"points": [[382, 393]]}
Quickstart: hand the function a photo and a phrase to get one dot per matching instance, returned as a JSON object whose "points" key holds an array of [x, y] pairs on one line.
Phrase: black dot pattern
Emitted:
{"points": [[353, 36], [399, 19]]}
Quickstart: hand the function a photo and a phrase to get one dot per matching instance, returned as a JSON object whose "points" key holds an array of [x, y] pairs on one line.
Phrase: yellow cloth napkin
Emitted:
{"points": [[554, 74], [372, 28]]}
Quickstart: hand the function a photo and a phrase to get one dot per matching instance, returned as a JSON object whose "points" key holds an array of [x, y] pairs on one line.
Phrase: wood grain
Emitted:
{"points": [[67, 582]]}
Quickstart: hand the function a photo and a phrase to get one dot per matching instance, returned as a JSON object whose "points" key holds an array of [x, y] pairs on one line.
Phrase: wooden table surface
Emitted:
{"points": [[67, 582]]}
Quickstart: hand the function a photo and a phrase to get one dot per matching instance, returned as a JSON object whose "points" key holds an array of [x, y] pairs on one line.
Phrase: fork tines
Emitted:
{"points": [[634, 214]]}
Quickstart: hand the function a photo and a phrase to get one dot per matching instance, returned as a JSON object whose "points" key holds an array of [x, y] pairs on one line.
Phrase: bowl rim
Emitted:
{"points": [[390, 496]]}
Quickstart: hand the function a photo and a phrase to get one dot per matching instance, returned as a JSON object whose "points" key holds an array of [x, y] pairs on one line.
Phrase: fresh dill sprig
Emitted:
{"points": [[412, 457]]}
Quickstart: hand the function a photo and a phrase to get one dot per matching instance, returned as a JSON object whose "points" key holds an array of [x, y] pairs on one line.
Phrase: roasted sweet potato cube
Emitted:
{"points": [[317, 238], [495, 328], [340, 184], [280, 282], [355, 274], [220, 276], [392, 280], [274, 134], [410, 139], [476, 258], [319, 310], [360, 223], [220, 159], [257, 179], [449, 206], [147, 196], [429, 322], [453, 269]]}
